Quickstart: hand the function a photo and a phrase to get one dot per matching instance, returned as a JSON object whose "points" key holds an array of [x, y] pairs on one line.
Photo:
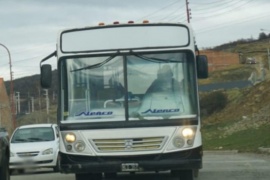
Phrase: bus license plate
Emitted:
{"points": [[127, 167]]}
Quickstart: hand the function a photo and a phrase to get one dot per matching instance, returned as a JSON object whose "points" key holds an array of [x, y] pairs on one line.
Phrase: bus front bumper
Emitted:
{"points": [[190, 159]]}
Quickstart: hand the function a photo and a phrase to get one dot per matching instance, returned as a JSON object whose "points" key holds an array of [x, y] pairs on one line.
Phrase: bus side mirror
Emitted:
{"points": [[46, 76], [202, 66]]}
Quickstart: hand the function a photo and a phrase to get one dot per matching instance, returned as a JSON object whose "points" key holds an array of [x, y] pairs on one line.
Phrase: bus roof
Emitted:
{"points": [[118, 37]]}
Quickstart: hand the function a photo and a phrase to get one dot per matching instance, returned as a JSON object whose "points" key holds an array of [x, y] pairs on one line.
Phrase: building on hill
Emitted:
{"points": [[5, 110], [219, 59]]}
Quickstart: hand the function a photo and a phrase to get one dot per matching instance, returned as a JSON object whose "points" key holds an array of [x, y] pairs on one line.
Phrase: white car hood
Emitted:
{"points": [[32, 146]]}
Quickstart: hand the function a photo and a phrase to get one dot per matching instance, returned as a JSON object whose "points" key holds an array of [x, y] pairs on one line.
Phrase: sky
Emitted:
{"points": [[29, 28]]}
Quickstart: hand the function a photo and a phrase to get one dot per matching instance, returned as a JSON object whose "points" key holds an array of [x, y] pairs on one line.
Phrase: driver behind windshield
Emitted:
{"points": [[164, 82]]}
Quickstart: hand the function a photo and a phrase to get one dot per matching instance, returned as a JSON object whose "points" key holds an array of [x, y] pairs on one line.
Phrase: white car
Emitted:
{"points": [[34, 146]]}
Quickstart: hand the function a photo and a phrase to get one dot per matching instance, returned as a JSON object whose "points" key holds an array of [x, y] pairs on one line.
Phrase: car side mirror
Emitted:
{"points": [[202, 66]]}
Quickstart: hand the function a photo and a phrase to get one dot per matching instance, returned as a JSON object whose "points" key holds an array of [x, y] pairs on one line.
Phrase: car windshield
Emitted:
{"points": [[157, 86], [38, 134]]}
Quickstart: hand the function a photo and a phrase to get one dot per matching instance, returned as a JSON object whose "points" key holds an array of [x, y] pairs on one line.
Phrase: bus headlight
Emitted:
{"points": [[178, 142], [79, 146], [188, 133], [183, 138], [70, 138]]}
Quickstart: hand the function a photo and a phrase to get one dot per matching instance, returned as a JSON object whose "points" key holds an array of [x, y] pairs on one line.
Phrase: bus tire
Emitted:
{"points": [[110, 175], [184, 174], [195, 173], [82, 177], [88, 176]]}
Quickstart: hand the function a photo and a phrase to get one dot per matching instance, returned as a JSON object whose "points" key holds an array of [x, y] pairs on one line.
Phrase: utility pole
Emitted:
{"points": [[29, 109], [11, 89], [54, 96], [268, 56], [47, 104], [18, 103], [188, 11], [39, 100], [33, 104], [268, 52]]}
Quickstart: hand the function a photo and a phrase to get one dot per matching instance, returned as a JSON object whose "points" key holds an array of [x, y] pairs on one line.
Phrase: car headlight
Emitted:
{"points": [[48, 151], [79, 146], [70, 138]]}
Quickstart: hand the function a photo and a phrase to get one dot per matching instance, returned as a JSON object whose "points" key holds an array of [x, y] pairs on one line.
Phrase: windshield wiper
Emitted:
{"points": [[96, 65], [35, 139], [155, 60], [19, 140]]}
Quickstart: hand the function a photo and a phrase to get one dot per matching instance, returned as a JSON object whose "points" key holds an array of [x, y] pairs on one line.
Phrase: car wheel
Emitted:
{"points": [[57, 167], [4, 170]]}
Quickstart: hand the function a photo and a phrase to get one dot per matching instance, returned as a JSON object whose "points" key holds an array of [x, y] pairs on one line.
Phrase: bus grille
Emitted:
{"points": [[128, 145]]}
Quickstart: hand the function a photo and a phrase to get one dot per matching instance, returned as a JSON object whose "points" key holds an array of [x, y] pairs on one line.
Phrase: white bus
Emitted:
{"points": [[128, 99]]}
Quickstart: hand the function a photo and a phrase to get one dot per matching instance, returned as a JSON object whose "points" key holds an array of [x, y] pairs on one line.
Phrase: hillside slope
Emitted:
{"points": [[244, 123]]}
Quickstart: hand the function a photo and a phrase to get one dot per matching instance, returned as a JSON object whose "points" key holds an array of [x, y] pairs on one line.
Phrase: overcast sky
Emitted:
{"points": [[29, 27]]}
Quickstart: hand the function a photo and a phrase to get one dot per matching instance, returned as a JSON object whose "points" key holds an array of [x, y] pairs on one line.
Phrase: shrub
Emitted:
{"points": [[213, 102]]}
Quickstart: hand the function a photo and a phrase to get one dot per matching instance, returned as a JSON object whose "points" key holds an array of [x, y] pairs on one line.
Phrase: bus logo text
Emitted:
{"points": [[97, 113], [153, 111]]}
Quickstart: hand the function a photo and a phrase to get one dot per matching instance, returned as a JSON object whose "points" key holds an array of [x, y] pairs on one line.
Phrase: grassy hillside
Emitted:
{"points": [[256, 48], [244, 123]]}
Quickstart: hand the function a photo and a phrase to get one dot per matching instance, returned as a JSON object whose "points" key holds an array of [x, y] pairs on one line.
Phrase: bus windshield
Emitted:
{"points": [[154, 86]]}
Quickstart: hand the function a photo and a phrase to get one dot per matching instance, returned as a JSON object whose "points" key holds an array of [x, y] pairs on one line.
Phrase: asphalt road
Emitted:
{"points": [[224, 85], [221, 166]]}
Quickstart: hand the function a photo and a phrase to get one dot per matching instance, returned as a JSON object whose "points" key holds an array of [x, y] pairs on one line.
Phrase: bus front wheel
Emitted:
{"points": [[184, 174], [88, 176]]}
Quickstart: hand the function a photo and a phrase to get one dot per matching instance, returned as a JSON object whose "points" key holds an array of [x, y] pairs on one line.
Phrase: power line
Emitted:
{"points": [[230, 24], [205, 3], [30, 49], [173, 13], [31, 58], [26, 59], [226, 12], [211, 6], [157, 11], [182, 17]]}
